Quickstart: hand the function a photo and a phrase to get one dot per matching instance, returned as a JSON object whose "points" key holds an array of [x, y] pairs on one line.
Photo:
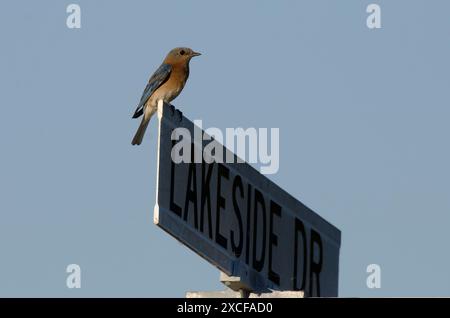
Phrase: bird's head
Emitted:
{"points": [[180, 55]]}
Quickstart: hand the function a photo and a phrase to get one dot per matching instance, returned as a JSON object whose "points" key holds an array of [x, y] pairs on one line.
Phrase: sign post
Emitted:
{"points": [[240, 221]]}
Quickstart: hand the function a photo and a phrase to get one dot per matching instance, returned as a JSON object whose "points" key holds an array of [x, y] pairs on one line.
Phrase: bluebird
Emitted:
{"points": [[166, 83]]}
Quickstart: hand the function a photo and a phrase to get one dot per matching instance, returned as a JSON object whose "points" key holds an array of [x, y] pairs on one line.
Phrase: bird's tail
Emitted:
{"points": [[137, 140]]}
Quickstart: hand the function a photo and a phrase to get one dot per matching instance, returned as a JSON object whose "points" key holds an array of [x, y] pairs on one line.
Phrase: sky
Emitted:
{"points": [[363, 118]]}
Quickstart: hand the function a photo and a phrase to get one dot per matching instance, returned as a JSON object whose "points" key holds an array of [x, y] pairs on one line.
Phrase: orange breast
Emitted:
{"points": [[173, 86]]}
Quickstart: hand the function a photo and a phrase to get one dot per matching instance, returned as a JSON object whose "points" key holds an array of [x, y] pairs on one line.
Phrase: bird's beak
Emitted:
{"points": [[195, 54]]}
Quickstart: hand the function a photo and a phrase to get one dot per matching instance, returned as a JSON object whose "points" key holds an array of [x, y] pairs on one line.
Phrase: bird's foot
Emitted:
{"points": [[172, 109], [180, 114]]}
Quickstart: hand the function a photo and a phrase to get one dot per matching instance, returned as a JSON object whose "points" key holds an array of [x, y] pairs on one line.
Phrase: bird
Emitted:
{"points": [[165, 84]]}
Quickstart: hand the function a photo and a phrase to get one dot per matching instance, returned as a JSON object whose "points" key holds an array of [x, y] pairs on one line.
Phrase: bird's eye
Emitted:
{"points": [[182, 52]]}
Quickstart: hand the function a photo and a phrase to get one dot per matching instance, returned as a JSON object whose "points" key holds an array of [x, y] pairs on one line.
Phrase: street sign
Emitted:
{"points": [[240, 221]]}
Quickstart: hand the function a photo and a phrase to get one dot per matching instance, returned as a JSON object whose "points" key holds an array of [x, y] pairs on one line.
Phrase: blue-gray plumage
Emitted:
{"points": [[158, 78], [165, 84]]}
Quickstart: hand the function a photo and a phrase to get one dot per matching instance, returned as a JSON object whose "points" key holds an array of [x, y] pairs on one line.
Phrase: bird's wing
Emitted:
{"points": [[158, 78]]}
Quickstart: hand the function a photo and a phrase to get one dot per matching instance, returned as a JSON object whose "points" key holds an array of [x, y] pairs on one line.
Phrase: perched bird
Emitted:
{"points": [[166, 84]]}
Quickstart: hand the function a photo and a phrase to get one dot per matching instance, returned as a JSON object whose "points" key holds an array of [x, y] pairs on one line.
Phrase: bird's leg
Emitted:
{"points": [[172, 109], [180, 114]]}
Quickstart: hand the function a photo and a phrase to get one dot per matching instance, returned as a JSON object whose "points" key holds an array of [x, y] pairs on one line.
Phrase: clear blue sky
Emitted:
{"points": [[363, 117]]}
